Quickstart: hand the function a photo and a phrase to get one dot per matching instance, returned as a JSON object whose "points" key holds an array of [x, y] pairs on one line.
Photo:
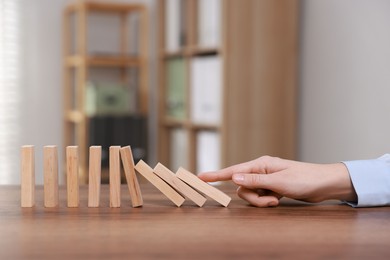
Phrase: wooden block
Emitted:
{"points": [[72, 176], [115, 177], [95, 160], [203, 187], [169, 177], [131, 177], [27, 185], [50, 172], [167, 190]]}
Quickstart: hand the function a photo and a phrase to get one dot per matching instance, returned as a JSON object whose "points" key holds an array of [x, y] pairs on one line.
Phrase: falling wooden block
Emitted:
{"points": [[115, 177], [131, 177], [95, 159], [167, 190], [72, 176], [27, 185], [50, 172], [169, 177], [203, 187]]}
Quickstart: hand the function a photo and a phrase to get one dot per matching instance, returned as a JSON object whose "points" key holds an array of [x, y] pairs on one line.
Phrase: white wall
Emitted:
{"points": [[42, 77], [345, 80], [42, 113]]}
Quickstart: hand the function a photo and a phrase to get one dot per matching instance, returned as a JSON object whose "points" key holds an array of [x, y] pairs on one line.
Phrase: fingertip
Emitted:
{"points": [[204, 176], [265, 201], [273, 203], [200, 175], [209, 176]]}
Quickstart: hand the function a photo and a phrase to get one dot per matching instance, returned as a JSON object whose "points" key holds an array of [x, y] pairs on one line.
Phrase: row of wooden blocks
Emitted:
{"points": [[174, 186]]}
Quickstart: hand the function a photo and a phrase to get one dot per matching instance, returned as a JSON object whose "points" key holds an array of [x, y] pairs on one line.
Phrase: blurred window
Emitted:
{"points": [[9, 89]]}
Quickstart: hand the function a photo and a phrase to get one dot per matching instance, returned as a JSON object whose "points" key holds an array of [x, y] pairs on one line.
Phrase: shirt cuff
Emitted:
{"points": [[371, 180]]}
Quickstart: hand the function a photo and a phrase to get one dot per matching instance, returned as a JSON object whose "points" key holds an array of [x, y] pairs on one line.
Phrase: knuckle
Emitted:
{"points": [[254, 179], [268, 160], [266, 157]]}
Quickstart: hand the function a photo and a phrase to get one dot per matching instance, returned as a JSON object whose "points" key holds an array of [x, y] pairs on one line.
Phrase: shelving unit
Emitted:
{"points": [[79, 61], [258, 54]]}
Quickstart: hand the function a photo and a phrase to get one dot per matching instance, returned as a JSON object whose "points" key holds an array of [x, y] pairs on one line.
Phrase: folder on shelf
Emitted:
{"points": [[208, 151], [209, 23], [206, 90], [107, 99], [176, 88], [172, 25], [179, 149]]}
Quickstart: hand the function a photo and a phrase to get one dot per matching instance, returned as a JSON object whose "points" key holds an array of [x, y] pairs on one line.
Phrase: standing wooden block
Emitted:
{"points": [[169, 177], [27, 184], [95, 159], [50, 172], [203, 187], [131, 177], [167, 190], [115, 177], [72, 176]]}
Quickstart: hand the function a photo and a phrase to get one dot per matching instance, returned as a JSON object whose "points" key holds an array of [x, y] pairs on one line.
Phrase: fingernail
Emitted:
{"points": [[238, 177]]}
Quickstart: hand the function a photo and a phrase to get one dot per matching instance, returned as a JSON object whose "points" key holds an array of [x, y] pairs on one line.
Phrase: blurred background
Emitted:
{"points": [[196, 83]]}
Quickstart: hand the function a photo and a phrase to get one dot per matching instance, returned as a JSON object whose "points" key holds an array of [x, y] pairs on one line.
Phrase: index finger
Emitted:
{"points": [[227, 173]]}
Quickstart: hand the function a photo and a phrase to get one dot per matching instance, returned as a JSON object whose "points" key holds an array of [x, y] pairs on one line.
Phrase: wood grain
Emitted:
{"points": [[50, 175], [131, 177], [72, 176], [203, 187], [115, 177], [27, 176], [294, 230], [167, 190], [95, 159], [170, 178]]}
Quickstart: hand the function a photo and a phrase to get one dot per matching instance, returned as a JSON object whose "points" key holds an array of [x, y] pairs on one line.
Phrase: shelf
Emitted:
{"points": [[251, 74], [173, 122], [199, 51], [80, 65], [177, 123], [104, 7], [190, 51], [176, 54], [210, 127], [100, 61], [75, 116]]}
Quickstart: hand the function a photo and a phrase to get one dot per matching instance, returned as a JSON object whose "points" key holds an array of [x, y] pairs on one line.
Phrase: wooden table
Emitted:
{"points": [[160, 230]]}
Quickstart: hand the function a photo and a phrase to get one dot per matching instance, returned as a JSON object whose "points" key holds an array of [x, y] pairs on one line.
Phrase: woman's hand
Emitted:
{"points": [[262, 182]]}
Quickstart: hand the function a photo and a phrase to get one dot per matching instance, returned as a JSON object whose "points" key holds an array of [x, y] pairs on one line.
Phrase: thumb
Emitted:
{"points": [[254, 181]]}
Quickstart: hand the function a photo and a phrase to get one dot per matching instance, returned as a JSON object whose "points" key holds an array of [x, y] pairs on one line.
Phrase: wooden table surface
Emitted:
{"points": [[161, 230]]}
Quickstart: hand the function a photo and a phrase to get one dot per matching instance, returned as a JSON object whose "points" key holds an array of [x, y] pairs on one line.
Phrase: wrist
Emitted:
{"points": [[340, 185]]}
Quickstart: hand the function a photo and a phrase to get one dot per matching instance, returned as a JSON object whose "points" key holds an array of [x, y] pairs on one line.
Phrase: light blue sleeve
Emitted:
{"points": [[371, 180]]}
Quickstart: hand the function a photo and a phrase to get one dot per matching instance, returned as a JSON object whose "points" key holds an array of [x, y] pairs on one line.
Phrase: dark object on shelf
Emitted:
{"points": [[122, 130]]}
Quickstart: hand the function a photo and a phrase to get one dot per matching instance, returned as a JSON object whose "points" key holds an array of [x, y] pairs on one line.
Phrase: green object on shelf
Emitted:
{"points": [[176, 88], [107, 99]]}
